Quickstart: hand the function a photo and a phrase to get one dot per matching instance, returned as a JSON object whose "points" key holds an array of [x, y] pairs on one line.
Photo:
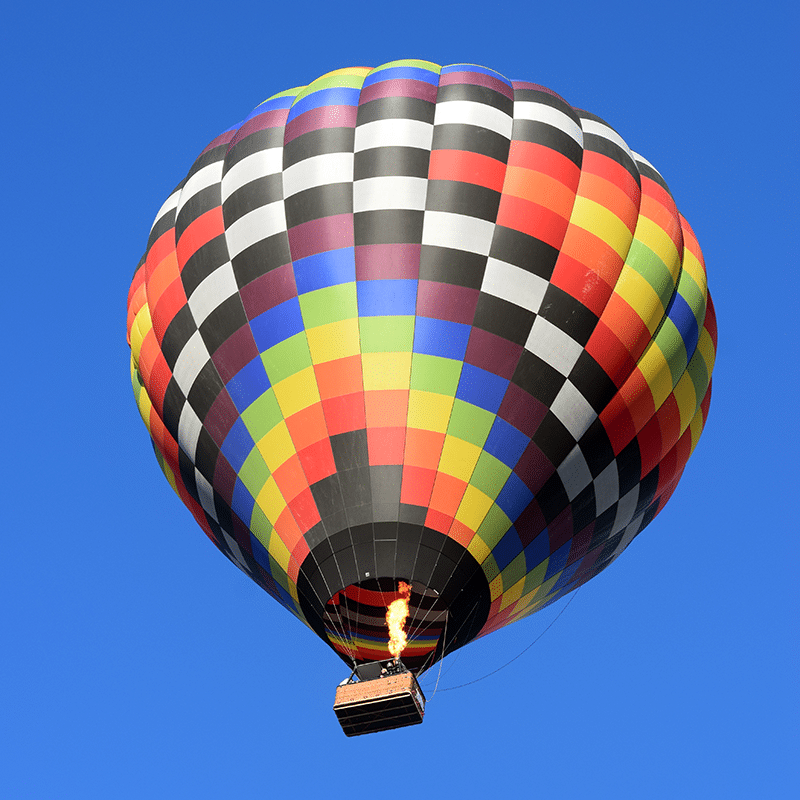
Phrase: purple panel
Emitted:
{"points": [[534, 467], [321, 235], [387, 261], [580, 543], [446, 301], [323, 117], [560, 529], [492, 353], [398, 88], [220, 417], [522, 410], [236, 351], [268, 291], [477, 79], [530, 523], [224, 479], [269, 119]]}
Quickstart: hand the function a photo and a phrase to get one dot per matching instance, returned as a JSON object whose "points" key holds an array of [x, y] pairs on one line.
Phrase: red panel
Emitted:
{"points": [[344, 413], [339, 377], [317, 461], [386, 445], [199, 232], [468, 167], [417, 485]]}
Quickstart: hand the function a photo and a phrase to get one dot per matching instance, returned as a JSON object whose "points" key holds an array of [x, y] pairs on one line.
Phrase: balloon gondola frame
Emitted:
{"points": [[385, 696]]}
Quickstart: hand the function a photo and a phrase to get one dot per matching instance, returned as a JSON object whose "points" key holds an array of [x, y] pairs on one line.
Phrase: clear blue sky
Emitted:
{"points": [[137, 662]]}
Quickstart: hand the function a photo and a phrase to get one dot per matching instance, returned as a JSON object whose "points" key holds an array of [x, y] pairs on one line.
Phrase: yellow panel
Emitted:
{"points": [[140, 326], [386, 371], [697, 427], [297, 392], [458, 458], [655, 370], [657, 239], [687, 400], [332, 341], [696, 270], [276, 446], [706, 349], [513, 594], [279, 551], [270, 500], [429, 411], [604, 224], [473, 509], [641, 296], [478, 549]]}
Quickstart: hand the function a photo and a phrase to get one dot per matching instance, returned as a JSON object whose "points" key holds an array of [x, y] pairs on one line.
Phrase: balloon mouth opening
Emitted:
{"points": [[356, 628]]}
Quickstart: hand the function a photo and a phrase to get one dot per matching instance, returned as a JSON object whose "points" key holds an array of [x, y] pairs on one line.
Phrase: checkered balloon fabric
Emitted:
{"points": [[426, 324]]}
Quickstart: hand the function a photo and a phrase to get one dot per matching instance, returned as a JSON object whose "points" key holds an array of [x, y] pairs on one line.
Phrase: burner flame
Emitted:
{"points": [[396, 616]]}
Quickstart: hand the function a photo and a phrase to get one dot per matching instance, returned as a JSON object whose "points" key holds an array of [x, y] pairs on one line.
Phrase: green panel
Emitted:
{"points": [[331, 304], [494, 526], [254, 473], [386, 334], [652, 269], [262, 415], [287, 357], [490, 568], [671, 343], [470, 423], [490, 474], [514, 572], [435, 374], [535, 577], [260, 526]]}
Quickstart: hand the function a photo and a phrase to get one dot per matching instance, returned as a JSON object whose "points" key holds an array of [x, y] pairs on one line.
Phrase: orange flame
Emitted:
{"points": [[396, 616]]}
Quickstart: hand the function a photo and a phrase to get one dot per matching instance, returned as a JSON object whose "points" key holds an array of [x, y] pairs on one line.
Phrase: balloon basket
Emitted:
{"points": [[385, 696]]}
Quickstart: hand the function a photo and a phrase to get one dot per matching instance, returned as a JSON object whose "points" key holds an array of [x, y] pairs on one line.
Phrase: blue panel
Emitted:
{"points": [[537, 551], [340, 96], [384, 298], [437, 337], [564, 578], [402, 73], [277, 324], [260, 554], [558, 560], [237, 445], [684, 320], [507, 549], [248, 384], [271, 105], [506, 443], [242, 503], [514, 497], [481, 388], [325, 269]]}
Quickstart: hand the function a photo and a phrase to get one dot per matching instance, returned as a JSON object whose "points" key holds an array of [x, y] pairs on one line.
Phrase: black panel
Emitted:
{"points": [[476, 94], [392, 226], [315, 143], [467, 199], [194, 206], [256, 142], [205, 455], [456, 136], [553, 439], [318, 202], [528, 130], [568, 314], [261, 257], [179, 331], [591, 380], [350, 450], [225, 320], [327, 495], [378, 161], [396, 108], [538, 378], [173, 406], [447, 265], [203, 262], [552, 498], [259, 192], [504, 319], [629, 466], [524, 251], [205, 389]]}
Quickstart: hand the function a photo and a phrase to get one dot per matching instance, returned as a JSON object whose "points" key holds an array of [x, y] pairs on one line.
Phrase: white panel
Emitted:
{"points": [[516, 285], [237, 556], [598, 129], [317, 171], [539, 112], [573, 411], [467, 112], [391, 191], [189, 427], [191, 360], [574, 473], [212, 292], [170, 204], [554, 346], [458, 232], [205, 494], [626, 509], [394, 133], [202, 179], [606, 488], [257, 165], [261, 223]]}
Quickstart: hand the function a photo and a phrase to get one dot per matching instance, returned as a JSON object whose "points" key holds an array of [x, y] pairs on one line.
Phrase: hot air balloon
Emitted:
{"points": [[427, 325]]}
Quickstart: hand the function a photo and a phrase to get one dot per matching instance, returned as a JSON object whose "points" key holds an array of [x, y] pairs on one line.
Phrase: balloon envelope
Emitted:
{"points": [[426, 324]]}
